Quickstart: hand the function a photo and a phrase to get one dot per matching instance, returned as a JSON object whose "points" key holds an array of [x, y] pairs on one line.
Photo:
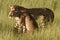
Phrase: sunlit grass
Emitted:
{"points": [[7, 31]]}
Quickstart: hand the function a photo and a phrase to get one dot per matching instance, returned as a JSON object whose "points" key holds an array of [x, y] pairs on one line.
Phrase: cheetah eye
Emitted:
{"points": [[12, 8]]}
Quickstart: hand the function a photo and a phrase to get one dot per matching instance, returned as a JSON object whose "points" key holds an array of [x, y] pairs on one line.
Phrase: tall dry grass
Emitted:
{"points": [[7, 25]]}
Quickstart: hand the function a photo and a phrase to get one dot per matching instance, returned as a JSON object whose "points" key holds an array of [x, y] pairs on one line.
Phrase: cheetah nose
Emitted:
{"points": [[9, 16]]}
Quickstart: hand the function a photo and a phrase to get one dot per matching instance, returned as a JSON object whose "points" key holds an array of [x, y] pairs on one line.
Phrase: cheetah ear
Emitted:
{"points": [[23, 11], [11, 5]]}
